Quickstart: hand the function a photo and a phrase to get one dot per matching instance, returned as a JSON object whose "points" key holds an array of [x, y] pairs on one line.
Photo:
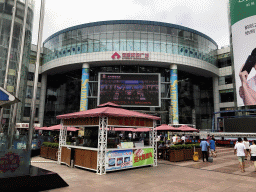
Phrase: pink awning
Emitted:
{"points": [[108, 112], [109, 104], [121, 129], [41, 128], [186, 128], [57, 128], [142, 130], [129, 129], [165, 127]]}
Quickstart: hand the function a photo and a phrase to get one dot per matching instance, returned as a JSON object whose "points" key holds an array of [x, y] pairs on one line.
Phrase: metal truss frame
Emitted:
{"points": [[102, 145], [154, 142], [62, 140]]}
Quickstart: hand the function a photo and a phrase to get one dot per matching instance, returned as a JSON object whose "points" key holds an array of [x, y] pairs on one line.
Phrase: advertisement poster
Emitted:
{"points": [[243, 26], [119, 159], [84, 90], [143, 157], [126, 145], [174, 96], [140, 90], [14, 163]]}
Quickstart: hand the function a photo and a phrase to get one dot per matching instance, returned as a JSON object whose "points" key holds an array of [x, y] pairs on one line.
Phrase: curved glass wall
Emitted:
{"points": [[151, 37], [5, 28], [195, 94]]}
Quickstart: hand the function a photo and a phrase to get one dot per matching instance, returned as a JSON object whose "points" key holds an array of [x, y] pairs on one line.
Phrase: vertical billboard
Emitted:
{"points": [[174, 96], [243, 26], [84, 90], [130, 89]]}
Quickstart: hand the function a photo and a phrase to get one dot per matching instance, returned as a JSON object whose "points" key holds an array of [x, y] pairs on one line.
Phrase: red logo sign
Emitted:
{"points": [[11, 162], [136, 56], [115, 55]]}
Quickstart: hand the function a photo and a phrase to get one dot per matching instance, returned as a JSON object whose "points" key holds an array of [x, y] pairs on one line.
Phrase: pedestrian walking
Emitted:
{"points": [[212, 148], [183, 138], [247, 146], [239, 150], [208, 138], [204, 145], [253, 153]]}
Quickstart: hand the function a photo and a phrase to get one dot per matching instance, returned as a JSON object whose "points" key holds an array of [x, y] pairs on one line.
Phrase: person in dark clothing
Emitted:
{"points": [[204, 145]]}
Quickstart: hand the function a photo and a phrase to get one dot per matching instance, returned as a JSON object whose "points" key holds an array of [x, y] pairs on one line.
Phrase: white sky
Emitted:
{"points": [[207, 16]]}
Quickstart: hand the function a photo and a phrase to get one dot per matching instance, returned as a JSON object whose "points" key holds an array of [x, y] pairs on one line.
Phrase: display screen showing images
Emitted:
{"points": [[138, 90]]}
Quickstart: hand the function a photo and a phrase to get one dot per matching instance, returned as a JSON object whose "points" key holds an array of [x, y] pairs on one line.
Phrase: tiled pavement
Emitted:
{"points": [[225, 162], [221, 175]]}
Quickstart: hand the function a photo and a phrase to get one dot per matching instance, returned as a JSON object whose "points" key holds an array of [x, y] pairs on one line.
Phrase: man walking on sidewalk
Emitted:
{"points": [[204, 145], [240, 151]]}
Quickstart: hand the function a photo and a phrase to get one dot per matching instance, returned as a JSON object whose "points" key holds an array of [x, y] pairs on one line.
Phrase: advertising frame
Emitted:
{"points": [[243, 27], [146, 74]]}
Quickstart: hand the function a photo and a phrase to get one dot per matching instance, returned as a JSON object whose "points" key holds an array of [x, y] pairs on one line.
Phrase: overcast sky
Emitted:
{"points": [[207, 16]]}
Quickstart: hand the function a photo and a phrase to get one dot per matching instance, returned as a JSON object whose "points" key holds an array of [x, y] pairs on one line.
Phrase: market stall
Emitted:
{"points": [[94, 153]]}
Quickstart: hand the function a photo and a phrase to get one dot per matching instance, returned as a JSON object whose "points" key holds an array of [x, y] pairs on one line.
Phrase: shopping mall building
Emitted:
{"points": [[159, 68]]}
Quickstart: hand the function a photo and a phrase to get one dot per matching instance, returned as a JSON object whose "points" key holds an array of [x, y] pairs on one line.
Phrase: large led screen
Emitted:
{"points": [[132, 90], [243, 25]]}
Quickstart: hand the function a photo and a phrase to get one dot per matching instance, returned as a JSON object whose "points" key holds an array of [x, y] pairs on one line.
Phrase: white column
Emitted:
{"points": [[216, 98], [42, 99]]}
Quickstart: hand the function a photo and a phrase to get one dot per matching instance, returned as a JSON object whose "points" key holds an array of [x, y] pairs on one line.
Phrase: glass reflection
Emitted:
{"points": [[132, 37]]}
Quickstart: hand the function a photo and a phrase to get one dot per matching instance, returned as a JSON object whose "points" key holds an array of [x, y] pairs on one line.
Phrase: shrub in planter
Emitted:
{"points": [[52, 153], [176, 153], [44, 149], [188, 152]]}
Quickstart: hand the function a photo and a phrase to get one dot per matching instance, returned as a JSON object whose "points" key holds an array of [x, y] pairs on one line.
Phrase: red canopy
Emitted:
{"points": [[165, 127], [57, 128], [186, 128], [108, 112]]}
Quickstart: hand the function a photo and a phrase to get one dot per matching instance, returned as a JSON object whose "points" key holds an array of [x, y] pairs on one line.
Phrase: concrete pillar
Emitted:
{"points": [[42, 99], [84, 87], [174, 94], [216, 99]]}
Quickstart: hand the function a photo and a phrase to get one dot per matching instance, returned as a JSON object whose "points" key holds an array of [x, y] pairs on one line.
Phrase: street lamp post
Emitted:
{"points": [[39, 42]]}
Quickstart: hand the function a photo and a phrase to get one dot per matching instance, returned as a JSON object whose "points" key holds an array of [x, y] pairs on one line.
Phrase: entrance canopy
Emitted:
{"points": [[7, 99]]}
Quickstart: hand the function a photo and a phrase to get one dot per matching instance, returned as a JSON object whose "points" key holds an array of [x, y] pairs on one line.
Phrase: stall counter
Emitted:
{"points": [[84, 157]]}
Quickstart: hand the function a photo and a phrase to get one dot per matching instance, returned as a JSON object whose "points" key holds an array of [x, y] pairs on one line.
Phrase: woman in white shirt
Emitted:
{"points": [[247, 146], [253, 153]]}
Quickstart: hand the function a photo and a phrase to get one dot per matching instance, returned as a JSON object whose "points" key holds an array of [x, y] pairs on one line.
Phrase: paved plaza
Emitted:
{"points": [[221, 175]]}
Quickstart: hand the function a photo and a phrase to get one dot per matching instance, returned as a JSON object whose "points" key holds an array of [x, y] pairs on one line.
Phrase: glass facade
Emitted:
{"points": [[143, 36], [195, 94], [5, 28]]}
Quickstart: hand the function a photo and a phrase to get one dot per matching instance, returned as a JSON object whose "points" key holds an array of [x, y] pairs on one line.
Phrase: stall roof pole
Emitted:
{"points": [[62, 140], [102, 145], [154, 142]]}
